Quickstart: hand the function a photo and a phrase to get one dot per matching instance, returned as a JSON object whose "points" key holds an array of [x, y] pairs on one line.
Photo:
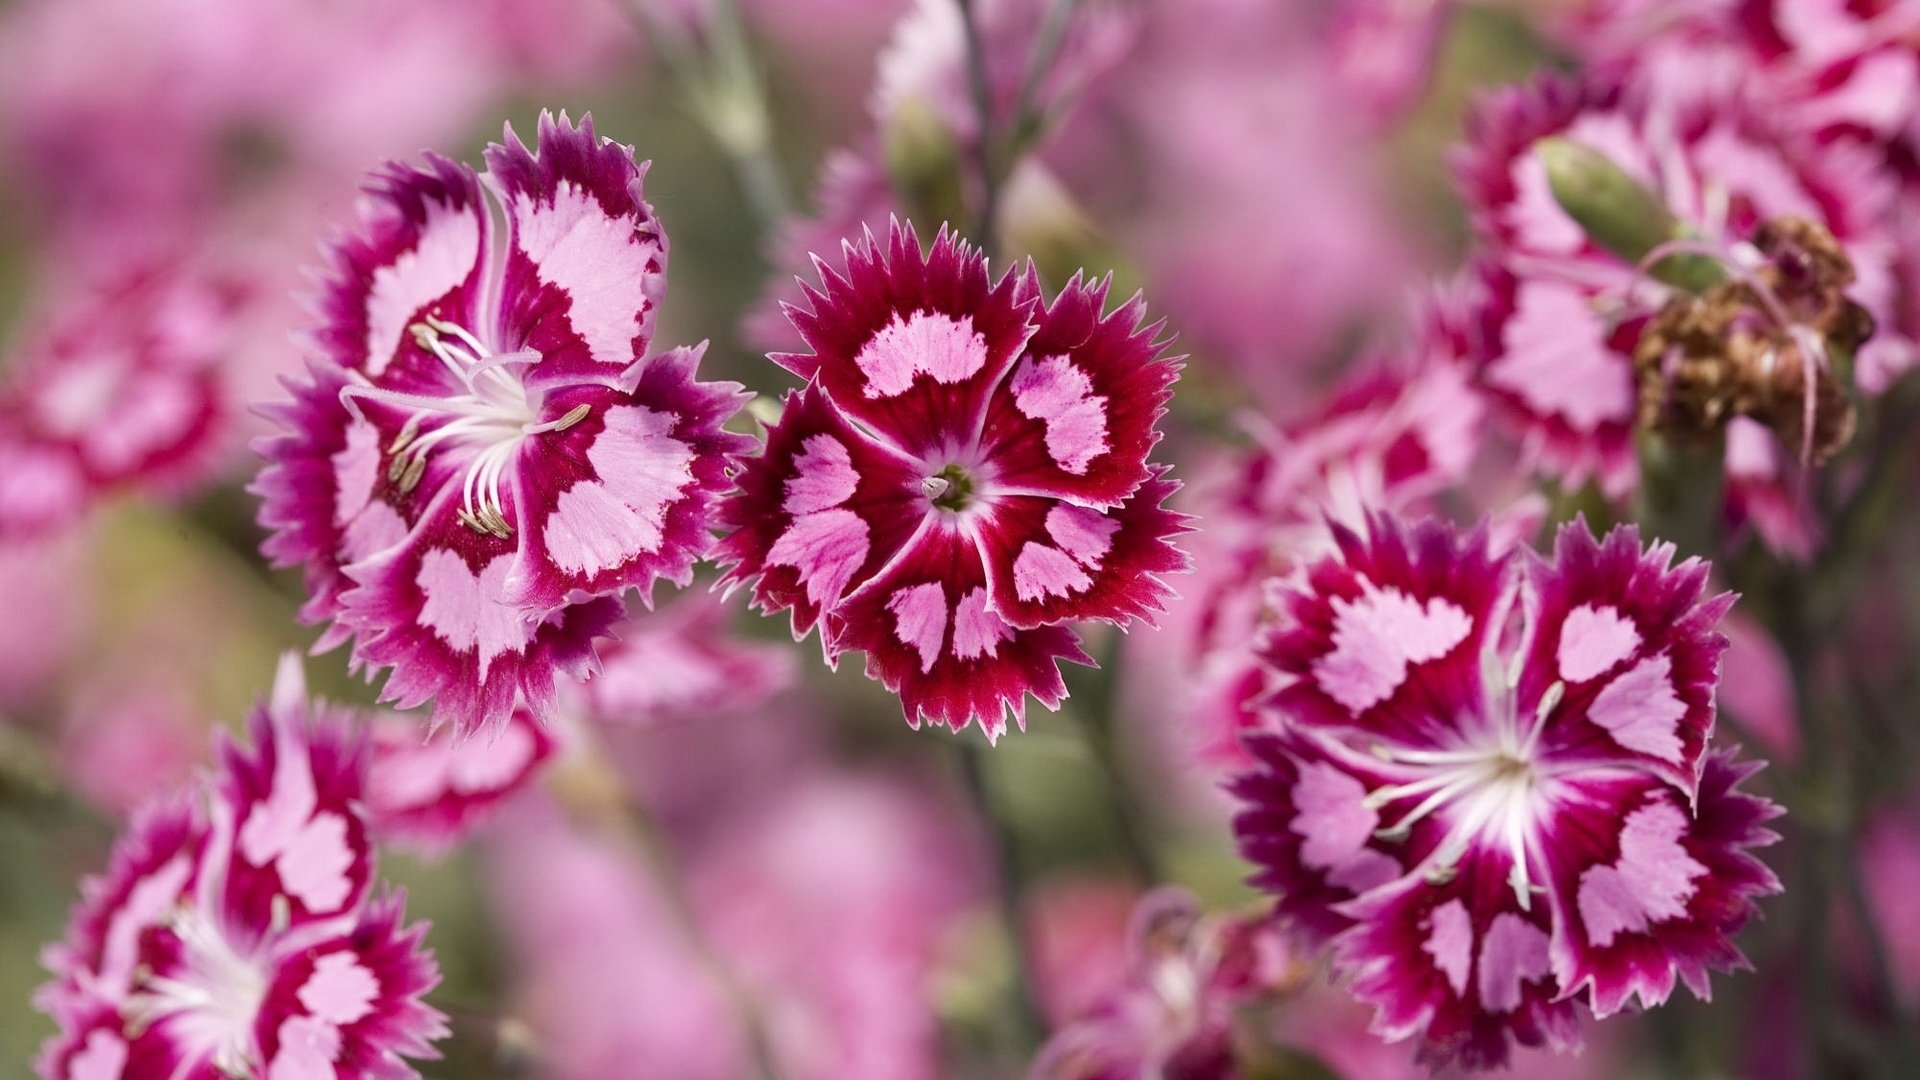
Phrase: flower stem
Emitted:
{"points": [[602, 795], [1096, 707], [726, 94], [1010, 886], [985, 229]]}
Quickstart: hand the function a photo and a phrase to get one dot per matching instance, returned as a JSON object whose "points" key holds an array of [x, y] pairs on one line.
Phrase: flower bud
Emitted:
{"points": [[1618, 213]]}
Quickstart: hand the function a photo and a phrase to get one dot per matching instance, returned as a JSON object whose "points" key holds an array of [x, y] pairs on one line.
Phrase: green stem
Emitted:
{"points": [[1010, 882], [657, 848], [985, 229], [725, 93], [1095, 705]]}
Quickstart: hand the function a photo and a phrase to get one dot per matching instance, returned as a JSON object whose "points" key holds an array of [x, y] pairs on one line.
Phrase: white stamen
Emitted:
{"points": [[493, 412]]}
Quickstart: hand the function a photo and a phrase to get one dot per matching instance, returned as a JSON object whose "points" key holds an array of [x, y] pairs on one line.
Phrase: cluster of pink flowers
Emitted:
{"points": [[1477, 776], [238, 931], [1486, 783], [1729, 125]]}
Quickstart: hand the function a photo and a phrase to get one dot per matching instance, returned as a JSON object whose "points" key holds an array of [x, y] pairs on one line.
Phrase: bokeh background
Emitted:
{"points": [[1279, 191]]}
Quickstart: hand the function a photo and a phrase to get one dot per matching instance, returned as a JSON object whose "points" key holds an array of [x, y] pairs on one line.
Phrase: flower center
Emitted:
{"points": [[215, 992], [1492, 790], [949, 489], [490, 415]]}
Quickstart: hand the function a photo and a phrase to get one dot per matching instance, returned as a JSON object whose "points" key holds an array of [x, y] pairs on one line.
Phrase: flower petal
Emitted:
{"points": [[818, 512], [1633, 641], [1647, 892], [625, 495], [586, 261], [1080, 411], [1386, 638], [930, 634], [912, 345], [1058, 562]]}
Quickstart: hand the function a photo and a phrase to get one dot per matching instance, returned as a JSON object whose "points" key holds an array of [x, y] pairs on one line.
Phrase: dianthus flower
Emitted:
{"points": [[235, 932], [121, 389], [1489, 786], [1174, 1015], [1560, 317], [429, 794], [1833, 68], [1389, 439], [965, 473], [483, 456]]}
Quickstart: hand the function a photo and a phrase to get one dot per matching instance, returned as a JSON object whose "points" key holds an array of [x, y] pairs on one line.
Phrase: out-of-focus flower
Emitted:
{"points": [[431, 792], [1384, 51], [1174, 1014], [681, 663], [1561, 316], [49, 596], [235, 931], [130, 737], [1824, 67], [1235, 126], [964, 475], [1489, 823], [189, 107], [484, 456], [1890, 867], [119, 389], [1077, 931], [847, 857], [605, 978], [1756, 689]]}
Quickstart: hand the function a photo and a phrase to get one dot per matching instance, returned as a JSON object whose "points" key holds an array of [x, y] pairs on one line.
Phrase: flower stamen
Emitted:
{"points": [[492, 412]]}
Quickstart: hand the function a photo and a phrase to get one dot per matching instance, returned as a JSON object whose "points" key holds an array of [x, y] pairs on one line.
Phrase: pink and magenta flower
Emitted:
{"points": [[1173, 1016], [120, 390], [236, 931], [484, 455], [965, 473], [430, 794], [1559, 317], [1489, 786]]}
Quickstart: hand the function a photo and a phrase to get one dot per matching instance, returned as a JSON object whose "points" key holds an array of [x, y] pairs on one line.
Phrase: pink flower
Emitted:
{"points": [[1826, 67], [965, 473], [1492, 822], [1174, 1014], [431, 793], [1392, 438], [120, 389], [1384, 51], [1559, 317], [604, 975], [50, 597], [235, 931], [483, 458], [681, 663], [882, 873]]}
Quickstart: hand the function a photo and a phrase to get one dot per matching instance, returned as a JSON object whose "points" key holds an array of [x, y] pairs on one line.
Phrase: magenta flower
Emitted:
{"points": [[1489, 786], [965, 473], [682, 663], [483, 457], [235, 932], [1559, 317], [429, 794], [1173, 1016], [120, 389]]}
